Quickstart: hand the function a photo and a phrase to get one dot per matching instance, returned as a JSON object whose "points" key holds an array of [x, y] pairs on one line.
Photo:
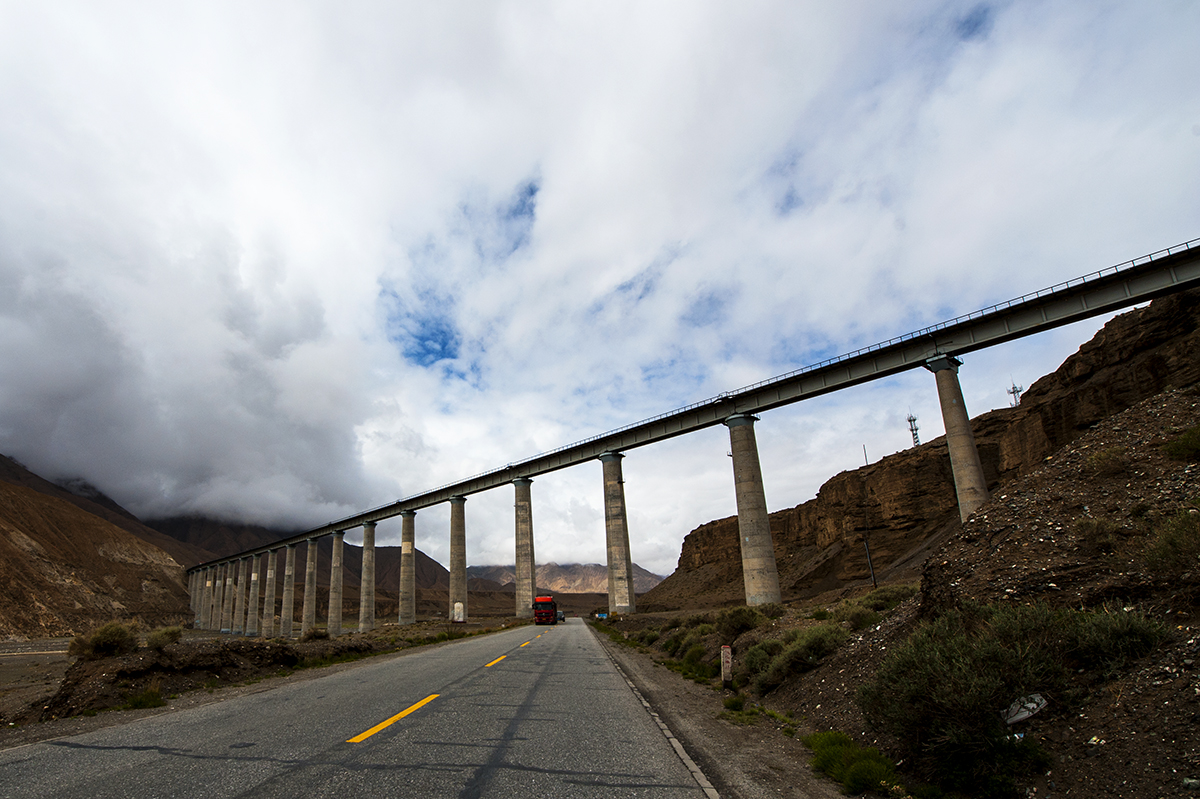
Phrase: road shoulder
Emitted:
{"points": [[742, 762]]}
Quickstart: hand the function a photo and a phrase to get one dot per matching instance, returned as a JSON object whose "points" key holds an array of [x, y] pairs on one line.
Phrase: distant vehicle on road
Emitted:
{"points": [[562, 616], [545, 610]]}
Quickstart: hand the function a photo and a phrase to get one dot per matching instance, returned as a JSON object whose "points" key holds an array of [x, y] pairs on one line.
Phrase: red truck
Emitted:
{"points": [[545, 610]]}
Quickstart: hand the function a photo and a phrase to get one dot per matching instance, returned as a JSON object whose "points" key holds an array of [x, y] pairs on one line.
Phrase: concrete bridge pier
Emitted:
{"points": [[289, 593], [621, 596], [335, 586], [969, 482], [366, 591], [526, 567], [268, 609], [759, 574], [458, 556], [218, 598], [227, 602], [206, 599], [239, 599], [309, 618], [408, 567], [252, 603]]}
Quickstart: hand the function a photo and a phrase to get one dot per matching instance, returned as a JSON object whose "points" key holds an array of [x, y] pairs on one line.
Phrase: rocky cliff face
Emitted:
{"points": [[905, 503]]}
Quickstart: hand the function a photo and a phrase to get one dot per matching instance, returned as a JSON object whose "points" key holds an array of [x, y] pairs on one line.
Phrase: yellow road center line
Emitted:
{"points": [[494, 662], [524, 644], [385, 724]]}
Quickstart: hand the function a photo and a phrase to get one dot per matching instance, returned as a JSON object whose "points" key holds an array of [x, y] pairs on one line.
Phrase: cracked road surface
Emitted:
{"points": [[534, 711]]}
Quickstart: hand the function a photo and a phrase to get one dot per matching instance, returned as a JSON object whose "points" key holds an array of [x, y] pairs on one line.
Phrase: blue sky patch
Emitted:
{"points": [[977, 24], [424, 330]]}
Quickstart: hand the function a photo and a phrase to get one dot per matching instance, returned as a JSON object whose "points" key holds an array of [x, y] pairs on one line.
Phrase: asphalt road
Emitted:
{"points": [[531, 712]]}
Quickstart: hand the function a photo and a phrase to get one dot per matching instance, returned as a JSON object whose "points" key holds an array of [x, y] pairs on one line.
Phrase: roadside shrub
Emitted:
{"points": [[772, 610], [887, 597], [732, 622], [673, 642], [163, 636], [703, 629], [857, 616], [1175, 548], [942, 692], [112, 639], [821, 614], [670, 624], [694, 654], [1186, 447], [801, 655], [695, 620], [649, 637], [735, 702], [857, 769], [1107, 462], [759, 656]]}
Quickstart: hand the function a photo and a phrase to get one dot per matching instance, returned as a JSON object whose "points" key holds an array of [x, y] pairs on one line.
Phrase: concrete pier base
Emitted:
{"points": [[308, 619], [759, 573], [289, 593], [252, 602], [366, 592], [239, 599], [621, 596], [268, 609], [408, 567], [526, 566], [458, 556], [335, 586], [969, 482]]}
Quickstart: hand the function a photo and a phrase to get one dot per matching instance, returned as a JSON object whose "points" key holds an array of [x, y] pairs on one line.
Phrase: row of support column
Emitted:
{"points": [[219, 599], [227, 603]]}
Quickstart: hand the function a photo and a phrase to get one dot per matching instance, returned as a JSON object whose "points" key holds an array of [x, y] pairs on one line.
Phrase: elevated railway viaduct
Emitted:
{"points": [[225, 593]]}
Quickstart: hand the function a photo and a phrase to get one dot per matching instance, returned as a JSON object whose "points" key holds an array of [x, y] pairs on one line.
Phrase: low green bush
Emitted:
{"points": [[735, 702], [696, 619], [857, 616], [315, 634], [112, 639], [1107, 462], [803, 654], [887, 597], [1175, 547], [1099, 533], [943, 691], [858, 769], [732, 622], [759, 657], [163, 637], [1186, 447], [772, 610]]}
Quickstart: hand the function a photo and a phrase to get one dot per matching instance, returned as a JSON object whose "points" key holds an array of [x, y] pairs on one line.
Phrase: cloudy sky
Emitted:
{"points": [[281, 262]]}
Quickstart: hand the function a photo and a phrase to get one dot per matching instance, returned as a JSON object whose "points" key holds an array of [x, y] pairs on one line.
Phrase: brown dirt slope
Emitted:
{"points": [[905, 502], [86, 497], [65, 568]]}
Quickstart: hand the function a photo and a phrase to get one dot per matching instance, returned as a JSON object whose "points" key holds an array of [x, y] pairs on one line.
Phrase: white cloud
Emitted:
{"points": [[282, 262]]}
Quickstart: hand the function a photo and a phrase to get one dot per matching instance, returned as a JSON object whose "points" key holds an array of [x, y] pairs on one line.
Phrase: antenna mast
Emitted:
{"points": [[1015, 391], [912, 426]]}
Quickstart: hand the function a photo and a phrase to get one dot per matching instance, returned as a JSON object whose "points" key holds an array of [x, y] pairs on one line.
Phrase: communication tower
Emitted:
{"points": [[912, 426], [1015, 391]]}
